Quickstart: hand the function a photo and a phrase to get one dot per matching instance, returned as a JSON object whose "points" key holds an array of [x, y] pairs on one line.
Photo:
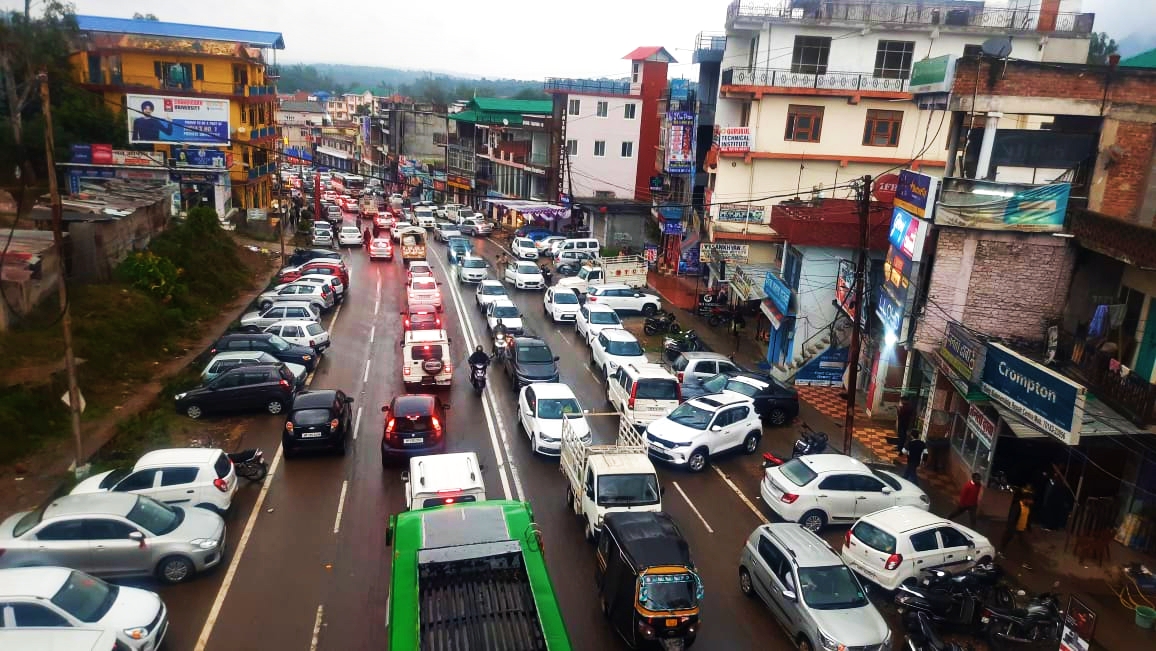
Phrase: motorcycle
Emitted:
{"points": [[478, 377], [250, 464], [500, 346], [809, 442], [686, 341], [720, 315], [980, 579], [951, 605], [1039, 622], [922, 636], [661, 322]]}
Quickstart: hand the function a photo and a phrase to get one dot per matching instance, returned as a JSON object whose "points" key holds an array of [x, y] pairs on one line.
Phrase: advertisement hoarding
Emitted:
{"points": [[680, 142], [732, 140], [1038, 209], [845, 289], [914, 201], [708, 251], [163, 119], [1046, 399], [729, 212], [198, 157]]}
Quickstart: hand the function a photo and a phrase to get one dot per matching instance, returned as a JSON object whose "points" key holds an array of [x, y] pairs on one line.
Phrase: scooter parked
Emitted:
{"points": [[1038, 622], [686, 341], [250, 464], [809, 442], [922, 636]]}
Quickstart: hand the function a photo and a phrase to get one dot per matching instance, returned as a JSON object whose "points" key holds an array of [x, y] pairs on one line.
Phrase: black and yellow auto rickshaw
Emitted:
{"points": [[647, 583]]}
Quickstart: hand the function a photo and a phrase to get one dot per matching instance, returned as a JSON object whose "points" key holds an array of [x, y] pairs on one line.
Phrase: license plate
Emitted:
{"points": [[413, 440], [671, 623], [311, 435]]}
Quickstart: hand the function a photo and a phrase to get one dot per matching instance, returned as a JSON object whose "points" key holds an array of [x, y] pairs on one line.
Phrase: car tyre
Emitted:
{"points": [[777, 417], [649, 309], [275, 407], [805, 644], [746, 585], [175, 569], [751, 443], [194, 411], [814, 520], [698, 460]]}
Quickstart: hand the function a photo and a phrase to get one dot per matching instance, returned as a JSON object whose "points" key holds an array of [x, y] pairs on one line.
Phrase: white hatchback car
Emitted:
{"points": [[593, 319], [302, 333], [701, 428], [523, 248], [560, 304], [541, 408], [349, 236], [524, 275], [505, 311], [58, 597], [613, 348], [892, 546], [820, 489], [201, 477], [489, 291]]}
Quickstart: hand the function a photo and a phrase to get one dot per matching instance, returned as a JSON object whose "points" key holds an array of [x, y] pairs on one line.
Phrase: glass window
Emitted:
{"points": [[140, 480], [34, 615], [602, 108], [154, 516], [830, 588], [627, 149], [882, 128], [838, 483], [604, 318], [775, 559], [628, 490], [565, 298], [178, 476], [681, 362], [810, 55], [307, 417], [628, 111], [743, 388], [572, 145], [426, 352], [534, 354], [654, 389], [715, 384], [574, 107], [804, 123], [668, 592], [506, 312], [953, 537], [555, 408], [874, 537], [62, 531], [624, 348], [599, 148], [105, 529], [799, 473], [85, 597], [924, 541], [691, 416], [893, 59]]}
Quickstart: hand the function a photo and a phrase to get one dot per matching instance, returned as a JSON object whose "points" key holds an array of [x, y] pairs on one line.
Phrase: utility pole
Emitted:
{"points": [[864, 199], [81, 468], [282, 205]]}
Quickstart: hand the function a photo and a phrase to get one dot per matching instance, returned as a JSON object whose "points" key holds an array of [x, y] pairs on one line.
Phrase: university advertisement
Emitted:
{"points": [[160, 119]]}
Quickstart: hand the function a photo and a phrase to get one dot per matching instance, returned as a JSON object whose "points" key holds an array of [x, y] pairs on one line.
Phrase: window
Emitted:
{"points": [[866, 484], [745, 115], [810, 55], [874, 537], [178, 476], [599, 148], [803, 123], [635, 72], [952, 538], [972, 50], [574, 106], [893, 59], [882, 129], [628, 111], [627, 149], [71, 530], [571, 147], [602, 109], [199, 72], [753, 52], [138, 481], [103, 529], [837, 483], [775, 559], [35, 615], [924, 541]]}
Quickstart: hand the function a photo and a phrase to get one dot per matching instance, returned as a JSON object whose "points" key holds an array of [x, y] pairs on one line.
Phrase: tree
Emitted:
{"points": [[362, 110], [1101, 48], [530, 93], [139, 16]]}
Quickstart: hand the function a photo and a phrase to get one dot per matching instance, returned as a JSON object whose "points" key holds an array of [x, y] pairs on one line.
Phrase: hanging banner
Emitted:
{"points": [[845, 289], [679, 142], [733, 140], [999, 208]]}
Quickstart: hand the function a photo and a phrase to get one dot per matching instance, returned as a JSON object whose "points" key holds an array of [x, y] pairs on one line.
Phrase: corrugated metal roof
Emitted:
{"points": [[650, 53], [1142, 60], [248, 37], [504, 105]]}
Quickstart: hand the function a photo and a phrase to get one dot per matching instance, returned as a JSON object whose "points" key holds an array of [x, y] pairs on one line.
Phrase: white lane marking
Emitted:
{"points": [[356, 423], [592, 373], [242, 543], [340, 506], [317, 628], [692, 507], [333, 321], [372, 332], [376, 305], [365, 378], [750, 505], [495, 426]]}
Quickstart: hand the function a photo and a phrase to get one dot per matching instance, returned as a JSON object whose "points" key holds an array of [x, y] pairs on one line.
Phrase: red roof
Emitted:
{"points": [[650, 53], [831, 222]]}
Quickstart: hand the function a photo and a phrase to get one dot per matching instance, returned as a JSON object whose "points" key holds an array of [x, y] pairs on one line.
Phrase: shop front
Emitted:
{"points": [[746, 295], [960, 412], [779, 309]]}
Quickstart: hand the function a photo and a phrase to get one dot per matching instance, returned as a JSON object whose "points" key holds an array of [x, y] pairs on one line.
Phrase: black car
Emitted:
{"points": [[301, 256], [775, 403], [529, 360], [414, 424], [272, 344], [319, 419], [264, 386]]}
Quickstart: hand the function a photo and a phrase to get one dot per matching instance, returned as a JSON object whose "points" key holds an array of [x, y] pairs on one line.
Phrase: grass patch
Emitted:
{"points": [[30, 418], [149, 430]]}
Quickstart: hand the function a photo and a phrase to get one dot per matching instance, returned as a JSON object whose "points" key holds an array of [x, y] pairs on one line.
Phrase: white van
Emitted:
{"points": [[587, 245], [440, 479]]}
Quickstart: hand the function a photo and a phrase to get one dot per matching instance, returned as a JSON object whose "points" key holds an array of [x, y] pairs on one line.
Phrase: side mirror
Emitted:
{"points": [[716, 428], [970, 545], [789, 594], [384, 409], [446, 406], [557, 358], [887, 490], [138, 537], [405, 476], [349, 400]]}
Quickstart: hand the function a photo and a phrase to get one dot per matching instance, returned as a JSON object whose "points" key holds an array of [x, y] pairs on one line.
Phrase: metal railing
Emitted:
{"points": [[710, 41], [916, 13], [1128, 394], [785, 78], [108, 78], [587, 86]]}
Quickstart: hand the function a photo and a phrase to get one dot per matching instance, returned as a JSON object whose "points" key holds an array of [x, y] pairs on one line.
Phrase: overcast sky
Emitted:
{"points": [[527, 39]]}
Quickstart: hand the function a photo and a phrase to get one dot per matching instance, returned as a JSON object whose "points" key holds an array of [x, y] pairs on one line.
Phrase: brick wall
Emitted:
{"points": [[1126, 179], [1001, 284], [1055, 80]]}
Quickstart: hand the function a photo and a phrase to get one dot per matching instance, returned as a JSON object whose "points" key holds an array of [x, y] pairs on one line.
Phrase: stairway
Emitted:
{"points": [[786, 372]]}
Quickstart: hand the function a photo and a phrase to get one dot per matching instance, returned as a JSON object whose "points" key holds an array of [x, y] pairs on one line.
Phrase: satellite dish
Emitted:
{"points": [[998, 47]]}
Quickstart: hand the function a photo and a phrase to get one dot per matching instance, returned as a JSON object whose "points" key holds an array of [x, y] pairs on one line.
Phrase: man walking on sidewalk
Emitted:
{"points": [[1018, 523], [904, 417], [968, 499], [915, 448]]}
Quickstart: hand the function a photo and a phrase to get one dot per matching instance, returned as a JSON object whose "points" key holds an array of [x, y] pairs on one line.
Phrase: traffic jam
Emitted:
{"points": [[550, 478]]}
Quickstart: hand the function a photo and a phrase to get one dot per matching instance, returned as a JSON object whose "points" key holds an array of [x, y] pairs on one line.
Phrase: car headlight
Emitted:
{"points": [[137, 632], [306, 357], [180, 396], [204, 543], [548, 439], [828, 643]]}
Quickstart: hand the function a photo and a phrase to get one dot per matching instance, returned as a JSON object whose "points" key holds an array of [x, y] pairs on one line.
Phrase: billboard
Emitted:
{"points": [[199, 157], [163, 119], [1048, 400], [907, 236], [845, 292], [992, 207], [732, 140], [680, 142]]}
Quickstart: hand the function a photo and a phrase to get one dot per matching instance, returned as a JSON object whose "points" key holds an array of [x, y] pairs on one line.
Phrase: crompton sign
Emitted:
{"points": [[1047, 399]]}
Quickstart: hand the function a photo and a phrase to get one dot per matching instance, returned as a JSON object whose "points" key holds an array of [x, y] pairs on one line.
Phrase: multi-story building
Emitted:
{"points": [[508, 142], [203, 96], [348, 106], [814, 94], [301, 123], [339, 148]]}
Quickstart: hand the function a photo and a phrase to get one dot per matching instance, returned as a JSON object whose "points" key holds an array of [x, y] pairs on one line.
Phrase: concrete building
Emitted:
{"points": [[338, 148], [508, 142], [162, 73], [301, 123]]}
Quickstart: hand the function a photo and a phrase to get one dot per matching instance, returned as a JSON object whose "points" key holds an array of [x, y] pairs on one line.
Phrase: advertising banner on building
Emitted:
{"points": [[1079, 626], [138, 158], [709, 251], [729, 212], [679, 89], [1040, 209], [963, 352], [916, 194], [690, 260], [733, 140], [914, 201], [825, 369], [778, 292], [162, 119], [679, 142], [198, 157], [1046, 399], [845, 293]]}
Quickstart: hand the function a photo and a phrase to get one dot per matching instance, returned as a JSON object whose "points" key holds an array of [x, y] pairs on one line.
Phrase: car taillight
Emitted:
{"points": [[312, 343], [405, 370], [437, 427], [633, 393], [678, 392], [407, 323], [284, 384], [390, 426], [212, 351], [591, 298], [893, 562], [680, 377], [221, 485], [333, 425], [289, 426], [847, 538], [788, 498], [449, 368]]}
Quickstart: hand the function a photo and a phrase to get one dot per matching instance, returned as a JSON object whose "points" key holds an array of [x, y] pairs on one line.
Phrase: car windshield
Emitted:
{"points": [[85, 597], [24, 524], [157, 518], [605, 318], [743, 388], [426, 352], [691, 416], [528, 269], [266, 358], [798, 472], [715, 383], [506, 312], [493, 290], [565, 298], [668, 592], [311, 416], [656, 389], [278, 342], [830, 588], [474, 264], [525, 243], [350, 230], [624, 348], [554, 408], [114, 477], [628, 490], [314, 328], [535, 354]]}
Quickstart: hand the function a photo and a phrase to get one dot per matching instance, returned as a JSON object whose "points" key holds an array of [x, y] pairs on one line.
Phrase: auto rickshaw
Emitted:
{"points": [[647, 584]]}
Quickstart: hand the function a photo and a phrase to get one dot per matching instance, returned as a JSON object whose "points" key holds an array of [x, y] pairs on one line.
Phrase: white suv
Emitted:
{"points": [[819, 489], [624, 298], [642, 393], [891, 547], [426, 359], [183, 476], [701, 428], [593, 319], [613, 348]]}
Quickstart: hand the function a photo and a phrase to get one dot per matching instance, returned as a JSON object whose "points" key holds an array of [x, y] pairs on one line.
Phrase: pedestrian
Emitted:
{"points": [[968, 499], [915, 448], [1019, 522], [367, 237], [903, 419]]}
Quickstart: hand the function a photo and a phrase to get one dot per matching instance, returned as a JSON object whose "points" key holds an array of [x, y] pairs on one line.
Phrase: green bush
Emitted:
{"points": [[151, 273]]}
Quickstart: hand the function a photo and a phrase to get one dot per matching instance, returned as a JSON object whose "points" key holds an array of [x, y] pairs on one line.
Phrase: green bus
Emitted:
{"points": [[471, 576]]}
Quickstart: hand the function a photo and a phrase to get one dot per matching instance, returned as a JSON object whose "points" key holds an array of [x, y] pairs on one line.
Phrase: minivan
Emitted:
{"points": [[587, 245], [441, 479], [642, 393]]}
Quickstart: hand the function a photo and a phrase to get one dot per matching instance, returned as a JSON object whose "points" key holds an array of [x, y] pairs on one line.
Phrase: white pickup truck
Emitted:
{"points": [[629, 269], [606, 478]]}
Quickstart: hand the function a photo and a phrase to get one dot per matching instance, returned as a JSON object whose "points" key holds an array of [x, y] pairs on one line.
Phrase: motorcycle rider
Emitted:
{"points": [[546, 274], [479, 357], [499, 333]]}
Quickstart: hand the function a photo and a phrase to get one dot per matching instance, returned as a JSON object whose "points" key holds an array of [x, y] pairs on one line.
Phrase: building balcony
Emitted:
{"points": [[117, 81], [709, 47], [1128, 394], [949, 16], [257, 171], [586, 86], [250, 134], [784, 81]]}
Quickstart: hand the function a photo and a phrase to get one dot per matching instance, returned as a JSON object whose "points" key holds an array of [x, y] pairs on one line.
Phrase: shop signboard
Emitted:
{"points": [[1035, 209], [1079, 626], [690, 260], [916, 193], [845, 289], [1048, 400], [680, 142], [884, 188], [656, 184], [729, 212], [164, 119], [733, 140], [81, 154], [137, 158], [906, 236], [650, 251], [980, 425], [679, 89], [198, 157], [963, 352], [256, 214], [934, 75], [672, 228], [825, 369], [778, 292], [709, 251]]}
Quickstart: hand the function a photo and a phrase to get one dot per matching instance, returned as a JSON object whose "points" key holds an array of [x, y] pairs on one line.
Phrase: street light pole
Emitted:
{"points": [[864, 198]]}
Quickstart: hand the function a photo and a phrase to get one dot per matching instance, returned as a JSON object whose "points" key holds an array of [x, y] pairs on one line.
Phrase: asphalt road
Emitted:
{"points": [[307, 566]]}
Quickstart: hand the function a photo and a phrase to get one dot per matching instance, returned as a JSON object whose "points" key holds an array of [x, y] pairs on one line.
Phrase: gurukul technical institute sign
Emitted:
{"points": [[1046, 399]]}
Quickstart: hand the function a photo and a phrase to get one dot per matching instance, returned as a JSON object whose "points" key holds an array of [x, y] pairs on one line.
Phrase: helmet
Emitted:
{"points": [[478, 349]]}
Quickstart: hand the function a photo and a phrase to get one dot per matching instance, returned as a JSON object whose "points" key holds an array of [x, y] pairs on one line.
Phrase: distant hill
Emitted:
{"points": [[421, 84]]}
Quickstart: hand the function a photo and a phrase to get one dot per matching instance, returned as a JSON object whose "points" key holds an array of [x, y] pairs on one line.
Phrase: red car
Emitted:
{"points": [[323, 265], [419, 318]]}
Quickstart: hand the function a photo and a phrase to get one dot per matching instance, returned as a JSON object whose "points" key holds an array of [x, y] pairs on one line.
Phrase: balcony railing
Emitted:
{"points": [[257, 171], [897, 14], [709, 47], [1128, 394], [605, 86], [785, 78], [109, 78]]}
